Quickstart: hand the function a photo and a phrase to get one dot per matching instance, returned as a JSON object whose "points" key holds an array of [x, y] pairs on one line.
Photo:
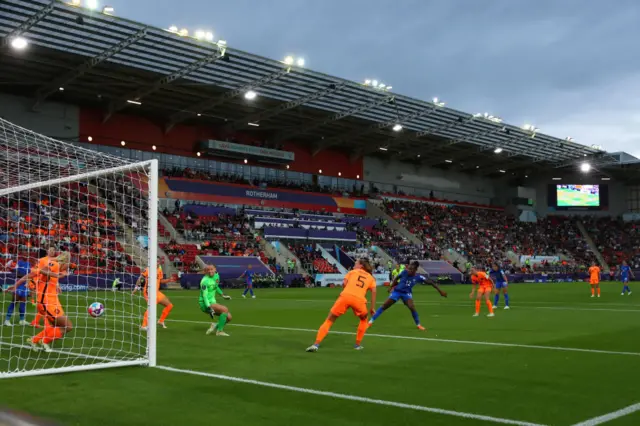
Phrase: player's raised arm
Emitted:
{"points": [[137, 286], [18, 283], [435, 285]]}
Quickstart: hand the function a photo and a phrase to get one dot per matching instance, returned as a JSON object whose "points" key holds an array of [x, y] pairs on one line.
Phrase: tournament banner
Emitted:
{"points": [[337, 279], [228, 193], [536, 260]]}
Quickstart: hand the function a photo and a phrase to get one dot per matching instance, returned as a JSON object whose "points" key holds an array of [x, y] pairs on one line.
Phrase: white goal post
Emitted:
{"points": [[96, 216]]}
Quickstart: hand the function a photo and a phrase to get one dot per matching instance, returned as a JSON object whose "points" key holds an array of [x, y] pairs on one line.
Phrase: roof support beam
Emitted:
{"points": [[209, 104], [270, 113], [468, 138], [46, 90], [29, 23], [118, 104], [335, 140], [335, 117]]}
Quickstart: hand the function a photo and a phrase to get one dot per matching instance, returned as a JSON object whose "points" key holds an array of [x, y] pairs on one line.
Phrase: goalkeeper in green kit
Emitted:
{"points": [[209, 287]]}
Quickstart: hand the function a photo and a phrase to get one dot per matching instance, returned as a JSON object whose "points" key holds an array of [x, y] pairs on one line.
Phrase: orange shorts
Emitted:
{"points": [[484, 289], [344, 303], [50, 309], [594, 281], [159, 297]]}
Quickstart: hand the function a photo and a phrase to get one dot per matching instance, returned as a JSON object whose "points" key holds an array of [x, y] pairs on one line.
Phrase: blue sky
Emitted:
{"points": [[570, 67]]}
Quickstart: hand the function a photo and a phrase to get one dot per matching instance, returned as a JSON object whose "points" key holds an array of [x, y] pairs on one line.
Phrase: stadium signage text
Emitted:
{"points": [[262, 194]]}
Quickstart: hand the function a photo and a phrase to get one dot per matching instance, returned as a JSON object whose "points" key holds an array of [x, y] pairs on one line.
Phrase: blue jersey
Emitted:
{"points": [[22, 268], [406, 282], [625, 271], [248, 276], [497, 276]]}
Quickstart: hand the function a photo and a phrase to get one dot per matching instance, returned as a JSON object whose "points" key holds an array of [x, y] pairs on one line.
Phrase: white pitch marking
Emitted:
{"points": [[610, 416], [352, 397], [429, 339], [519, 306]]}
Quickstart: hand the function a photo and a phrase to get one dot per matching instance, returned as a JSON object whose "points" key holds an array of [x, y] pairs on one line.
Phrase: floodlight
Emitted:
{"points": [[200, 34], [108, 10], [585, 167], [208, 36], [250, 95], [288, 60], [19, 43], [92, 4], [300, 62], [397, 127], [173, 29], [497, 150]]}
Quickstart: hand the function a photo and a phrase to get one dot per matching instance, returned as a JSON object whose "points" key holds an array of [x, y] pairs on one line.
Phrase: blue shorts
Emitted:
{"points": [[22, 292], [625, 279], [500, 285], [396, 295]]}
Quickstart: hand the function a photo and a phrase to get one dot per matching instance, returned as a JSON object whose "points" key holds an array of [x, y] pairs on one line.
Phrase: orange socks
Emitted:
{"points": [[165, 312], [593, 291], [598, 291], [477, 306], [323, 331], [145, 318], [490, 306], [362, 328]]}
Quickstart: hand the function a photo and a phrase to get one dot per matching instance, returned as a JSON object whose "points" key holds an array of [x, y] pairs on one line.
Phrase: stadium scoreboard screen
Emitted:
{"points": [[578, 197]]}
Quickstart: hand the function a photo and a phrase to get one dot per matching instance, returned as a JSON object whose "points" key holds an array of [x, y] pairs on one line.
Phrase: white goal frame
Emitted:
{"points": [[150, 358]]}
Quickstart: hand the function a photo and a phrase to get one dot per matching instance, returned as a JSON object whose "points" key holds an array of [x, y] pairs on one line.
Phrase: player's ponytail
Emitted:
{"points": [[366, 264], [64, 257]]}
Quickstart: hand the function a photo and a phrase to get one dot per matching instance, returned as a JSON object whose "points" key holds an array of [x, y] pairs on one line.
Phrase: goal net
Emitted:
{"points": [[77, 228]]}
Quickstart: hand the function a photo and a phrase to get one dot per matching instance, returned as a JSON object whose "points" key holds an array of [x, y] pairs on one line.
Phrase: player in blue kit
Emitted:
{"points": [[248, 282], [498, 276], [21, 293], [401, 289], [625, 273]]}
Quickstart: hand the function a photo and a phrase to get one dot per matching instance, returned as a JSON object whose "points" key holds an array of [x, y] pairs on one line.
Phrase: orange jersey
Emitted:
{"points": [[356, 284], [594, 272], [481, 279], [159, 276], [48, 286], [32, 281]]}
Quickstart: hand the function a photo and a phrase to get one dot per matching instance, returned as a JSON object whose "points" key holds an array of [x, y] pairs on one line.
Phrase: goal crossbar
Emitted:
{"points": [[80, 176]]}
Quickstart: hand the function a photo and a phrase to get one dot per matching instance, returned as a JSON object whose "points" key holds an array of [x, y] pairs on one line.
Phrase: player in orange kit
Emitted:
{"points": [[485, 286], [161, 299], [356, 285], [57, 324], [594, 279]]}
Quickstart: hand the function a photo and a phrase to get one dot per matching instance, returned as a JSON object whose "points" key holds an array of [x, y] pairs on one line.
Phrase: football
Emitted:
{"points": [[96, 309]]}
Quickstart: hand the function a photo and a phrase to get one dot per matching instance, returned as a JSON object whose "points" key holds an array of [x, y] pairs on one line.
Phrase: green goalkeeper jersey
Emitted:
{"points": [[209, 287]]}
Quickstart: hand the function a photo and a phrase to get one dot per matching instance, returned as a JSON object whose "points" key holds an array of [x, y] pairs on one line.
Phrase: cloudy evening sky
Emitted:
{"points": [[570, 67]]}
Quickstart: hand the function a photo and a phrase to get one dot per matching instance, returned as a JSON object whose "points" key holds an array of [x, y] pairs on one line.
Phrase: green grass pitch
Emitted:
{"points": [[528, 379], [568, 198]]}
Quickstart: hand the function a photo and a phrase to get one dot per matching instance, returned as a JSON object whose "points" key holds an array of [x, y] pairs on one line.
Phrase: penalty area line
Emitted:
{"points": [[348, 397], [605, 418], [428, 339]]}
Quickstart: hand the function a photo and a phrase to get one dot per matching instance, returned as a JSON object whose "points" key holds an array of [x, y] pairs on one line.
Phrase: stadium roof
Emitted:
{"points": [[117, 64]]}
